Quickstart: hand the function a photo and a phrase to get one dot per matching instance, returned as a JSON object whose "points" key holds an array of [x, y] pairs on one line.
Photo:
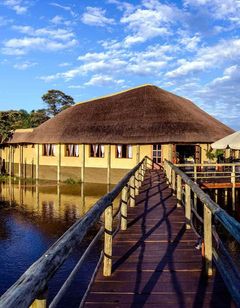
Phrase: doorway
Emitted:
{"points": [[156, 155], [188, 153]]}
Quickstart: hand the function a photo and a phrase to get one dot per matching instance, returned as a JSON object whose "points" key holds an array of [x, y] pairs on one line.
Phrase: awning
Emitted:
{"points": [[231, 141]]}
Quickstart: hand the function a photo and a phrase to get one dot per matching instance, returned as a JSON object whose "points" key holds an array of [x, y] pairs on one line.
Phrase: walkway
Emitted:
{"points": [[155, 263]]}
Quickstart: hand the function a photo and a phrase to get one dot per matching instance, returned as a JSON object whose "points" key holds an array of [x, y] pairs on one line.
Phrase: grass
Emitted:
{"points": [[72, 181]]}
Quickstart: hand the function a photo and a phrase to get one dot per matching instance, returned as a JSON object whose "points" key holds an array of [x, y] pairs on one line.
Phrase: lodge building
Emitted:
{"points": [[98, 141]]}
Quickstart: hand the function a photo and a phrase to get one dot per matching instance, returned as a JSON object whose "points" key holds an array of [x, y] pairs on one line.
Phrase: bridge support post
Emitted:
{"points": [[136, 179], [132, 191], [124, 204], [40, 301], [233, 181], [208, 240], [188, 206], [108, 222], [179, 190]]}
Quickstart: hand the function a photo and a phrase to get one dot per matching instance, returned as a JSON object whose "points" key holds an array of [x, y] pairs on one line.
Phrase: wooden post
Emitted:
{"points": [[83, 164], [216, 195], [225, 196], [174, 182], [109, 165], [208, 240], [179, 190], [188, 206], [132, 191], [233, 181], [195, 173], [37, 161], [107, 260], [136, 179], [59, 163], [40, 302], [124, 204]]}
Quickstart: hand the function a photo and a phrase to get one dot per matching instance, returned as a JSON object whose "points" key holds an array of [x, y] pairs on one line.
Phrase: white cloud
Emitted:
{"points": [[59, 20], [64, 7], [42, 39], [220, 9], [94, 16], [64, 64], [119, 62], [75, 87], [190, 43], [103, 80], [24, 66], [5, 21], [19, 6], [149, 21], [208, 57]]}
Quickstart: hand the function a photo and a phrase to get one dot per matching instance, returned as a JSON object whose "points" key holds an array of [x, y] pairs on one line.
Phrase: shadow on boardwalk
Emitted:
{"points": [[155, 262]]}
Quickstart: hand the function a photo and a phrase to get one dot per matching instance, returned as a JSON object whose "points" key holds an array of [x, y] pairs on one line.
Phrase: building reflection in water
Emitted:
{"points": [[46, 202]]}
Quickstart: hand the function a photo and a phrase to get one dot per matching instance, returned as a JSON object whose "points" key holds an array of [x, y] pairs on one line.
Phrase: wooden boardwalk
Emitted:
{"points": [[155, 263]]}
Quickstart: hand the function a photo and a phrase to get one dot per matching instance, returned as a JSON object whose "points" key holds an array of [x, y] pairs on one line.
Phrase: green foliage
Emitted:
{"points": [[3, 178], [14, 119], [210, 155], [56, 101], [38, 117], [72, 181], [219, 153]]}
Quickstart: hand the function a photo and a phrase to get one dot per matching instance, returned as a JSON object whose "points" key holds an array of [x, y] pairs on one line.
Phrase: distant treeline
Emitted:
{"points": [[55, 101]]}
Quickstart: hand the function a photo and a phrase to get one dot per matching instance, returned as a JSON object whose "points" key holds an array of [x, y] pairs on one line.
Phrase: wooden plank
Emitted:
{"points": [[155, 262]]}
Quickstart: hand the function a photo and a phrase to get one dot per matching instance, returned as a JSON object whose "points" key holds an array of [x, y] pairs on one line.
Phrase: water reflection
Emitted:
{"points": [[32, 217]]}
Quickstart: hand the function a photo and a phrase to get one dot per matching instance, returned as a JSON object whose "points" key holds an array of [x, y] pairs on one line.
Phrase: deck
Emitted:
{"points": [[155, 262]]}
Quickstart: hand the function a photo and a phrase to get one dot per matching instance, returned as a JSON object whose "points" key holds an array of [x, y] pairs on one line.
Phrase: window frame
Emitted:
{"points": [[116, 151], [98, 150]]}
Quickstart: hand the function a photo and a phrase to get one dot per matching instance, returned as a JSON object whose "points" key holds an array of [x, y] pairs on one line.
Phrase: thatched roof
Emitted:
{"points": [[21, 136], [142, 115]]}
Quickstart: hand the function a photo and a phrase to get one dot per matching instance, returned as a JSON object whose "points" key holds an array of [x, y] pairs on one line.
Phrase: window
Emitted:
{"points": [[72, 150], [96, 150], [123, 151], [156, 154], [49, 149]]}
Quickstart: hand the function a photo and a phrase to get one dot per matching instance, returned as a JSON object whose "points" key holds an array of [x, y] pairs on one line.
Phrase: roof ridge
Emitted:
{"points": [[115, 93]]}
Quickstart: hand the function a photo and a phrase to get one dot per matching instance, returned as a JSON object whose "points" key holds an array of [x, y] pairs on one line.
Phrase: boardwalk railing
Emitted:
{"points": [[206, 172], [212, 218], [30, 288]]}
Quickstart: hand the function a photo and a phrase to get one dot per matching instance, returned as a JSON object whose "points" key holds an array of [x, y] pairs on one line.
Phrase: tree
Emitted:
{"points": [[14, 119], [56, 101], [37, 117]]}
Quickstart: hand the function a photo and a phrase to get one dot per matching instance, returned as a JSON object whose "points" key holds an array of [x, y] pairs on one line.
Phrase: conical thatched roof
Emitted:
{"points": [[142, 115]]}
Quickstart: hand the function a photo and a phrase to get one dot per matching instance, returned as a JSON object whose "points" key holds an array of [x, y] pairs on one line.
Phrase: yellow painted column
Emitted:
{"points": [[138, 154], [83, 164], [37, 160], [59, 162], [20, 161]]}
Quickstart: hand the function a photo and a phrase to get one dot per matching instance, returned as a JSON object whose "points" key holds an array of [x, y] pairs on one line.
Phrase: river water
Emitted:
{"points": [[32, 217]]}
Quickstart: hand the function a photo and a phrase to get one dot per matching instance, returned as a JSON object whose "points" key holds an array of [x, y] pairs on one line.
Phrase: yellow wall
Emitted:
{"points": [[29, 157]]}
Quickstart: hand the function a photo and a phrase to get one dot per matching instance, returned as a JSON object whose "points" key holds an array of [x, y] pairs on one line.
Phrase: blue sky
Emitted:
{"points": [[91, 48]]}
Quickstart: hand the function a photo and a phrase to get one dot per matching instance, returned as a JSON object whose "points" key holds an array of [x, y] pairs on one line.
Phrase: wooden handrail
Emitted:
{"points": [[209, 165], [231, 224], [35, 280], [225, 264]]}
